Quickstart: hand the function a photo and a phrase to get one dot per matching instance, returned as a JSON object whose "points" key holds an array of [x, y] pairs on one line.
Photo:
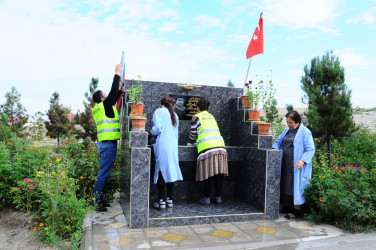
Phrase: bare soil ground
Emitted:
{"points": [[368, 119], [14, 232]]}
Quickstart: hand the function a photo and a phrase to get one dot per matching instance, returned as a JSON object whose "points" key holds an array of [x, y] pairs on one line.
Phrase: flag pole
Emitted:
{"points": [[249, 65]]}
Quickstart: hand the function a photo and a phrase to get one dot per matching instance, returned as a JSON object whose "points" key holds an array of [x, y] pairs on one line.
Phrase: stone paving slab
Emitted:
{"points": [[110, 230]]}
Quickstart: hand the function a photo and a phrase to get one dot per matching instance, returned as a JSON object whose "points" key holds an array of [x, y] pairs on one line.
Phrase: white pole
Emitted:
{"points": [[250, 60]]}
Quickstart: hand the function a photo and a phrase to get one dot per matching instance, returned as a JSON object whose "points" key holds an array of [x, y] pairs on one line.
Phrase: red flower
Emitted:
{"points": [[321, 200]]}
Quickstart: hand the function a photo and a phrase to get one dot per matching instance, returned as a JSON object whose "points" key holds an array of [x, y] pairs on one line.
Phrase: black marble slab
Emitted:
{"points": [[193, 213], [189, 153], [250, 192], [273, 176], [138, 139], [139, 187], [223, 104]]}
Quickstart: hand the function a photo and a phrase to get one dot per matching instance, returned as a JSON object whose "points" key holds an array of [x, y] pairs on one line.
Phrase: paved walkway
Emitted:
{"points": [[109, 230]]}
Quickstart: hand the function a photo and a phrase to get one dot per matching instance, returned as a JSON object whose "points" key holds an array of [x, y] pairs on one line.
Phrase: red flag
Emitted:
{"points": [[256, 46]]}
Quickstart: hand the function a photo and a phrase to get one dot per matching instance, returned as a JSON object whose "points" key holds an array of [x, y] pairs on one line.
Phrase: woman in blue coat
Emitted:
{"points": [[167, 170], [298, 148]]}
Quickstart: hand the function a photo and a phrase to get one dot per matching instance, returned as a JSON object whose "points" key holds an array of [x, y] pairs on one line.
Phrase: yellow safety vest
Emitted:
{"points": [[107, 128], [208, 136]]}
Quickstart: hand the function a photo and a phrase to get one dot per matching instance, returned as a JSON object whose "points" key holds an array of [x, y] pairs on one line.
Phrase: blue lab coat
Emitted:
{"points": [[166, 146], [304, 148]]}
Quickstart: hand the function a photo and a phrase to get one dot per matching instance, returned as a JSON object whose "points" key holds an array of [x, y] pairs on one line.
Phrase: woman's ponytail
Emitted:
{"points": [[167, 102]]}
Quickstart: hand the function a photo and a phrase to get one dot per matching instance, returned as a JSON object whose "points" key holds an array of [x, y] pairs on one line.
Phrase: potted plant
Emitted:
{"points": [[135, 95], [252, 97], [138, 121], [268, 103]]}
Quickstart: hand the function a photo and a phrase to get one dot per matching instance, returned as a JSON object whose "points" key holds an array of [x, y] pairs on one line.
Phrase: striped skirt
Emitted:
{"points": [[210, 163]]}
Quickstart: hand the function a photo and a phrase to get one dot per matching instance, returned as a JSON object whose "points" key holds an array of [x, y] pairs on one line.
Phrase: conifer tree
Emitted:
{"points": [[329, 107], [58, 123], [15, 111], [86, 119], [76, 119]]}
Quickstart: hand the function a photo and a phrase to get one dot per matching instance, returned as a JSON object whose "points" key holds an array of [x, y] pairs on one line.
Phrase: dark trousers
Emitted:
{"points": [[162, 186], [218, 180]]}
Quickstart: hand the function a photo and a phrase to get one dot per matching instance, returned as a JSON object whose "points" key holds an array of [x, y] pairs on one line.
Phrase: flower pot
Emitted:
{"points": [[139, 108], [263, 128], [138, 123], [253, 115], [244, 100]]}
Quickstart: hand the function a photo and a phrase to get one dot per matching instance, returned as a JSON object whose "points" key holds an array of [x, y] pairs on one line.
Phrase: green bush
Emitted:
{"points": [[345, 194], [55, 188]]}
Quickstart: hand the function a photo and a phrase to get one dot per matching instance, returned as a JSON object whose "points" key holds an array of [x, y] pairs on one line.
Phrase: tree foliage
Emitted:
{"points": [[15, 111], [329, 107], [58, 123], [86, 119]]}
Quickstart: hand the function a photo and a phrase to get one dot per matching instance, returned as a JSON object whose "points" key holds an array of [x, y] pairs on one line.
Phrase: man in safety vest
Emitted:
{"points": [[106, 118]]}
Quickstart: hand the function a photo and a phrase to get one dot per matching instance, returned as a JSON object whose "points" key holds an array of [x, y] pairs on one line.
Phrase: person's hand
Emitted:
{"points": [[299, 164], [150, 132], [118, 69]]}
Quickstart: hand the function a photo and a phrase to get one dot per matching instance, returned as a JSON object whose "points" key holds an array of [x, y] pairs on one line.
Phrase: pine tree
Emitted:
{"points": [[230, 84], [15, 111], [329, 107], [86, 119], [76, 119], [58, 123]]}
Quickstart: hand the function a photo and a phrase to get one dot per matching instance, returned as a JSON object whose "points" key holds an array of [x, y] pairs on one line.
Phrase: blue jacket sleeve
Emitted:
{"points": [[309, 147], [278, 142], [157, 124]]}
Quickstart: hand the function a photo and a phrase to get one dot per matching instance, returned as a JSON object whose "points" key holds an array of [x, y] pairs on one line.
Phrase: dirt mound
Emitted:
{"points": [[14, 232]]}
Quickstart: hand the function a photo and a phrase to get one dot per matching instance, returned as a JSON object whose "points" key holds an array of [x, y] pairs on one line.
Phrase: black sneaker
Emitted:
{"points": [[105, 204], [101, 208]]}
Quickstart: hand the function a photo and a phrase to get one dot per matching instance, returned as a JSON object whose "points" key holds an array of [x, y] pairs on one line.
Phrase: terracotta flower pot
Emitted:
{"points": [[138, 123], [244, 100], [253, 115], [139, 108], [263, 128]]}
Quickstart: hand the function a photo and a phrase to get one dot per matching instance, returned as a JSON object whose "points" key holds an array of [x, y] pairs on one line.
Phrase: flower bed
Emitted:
{"points": [[345, 194], [55, 189]]}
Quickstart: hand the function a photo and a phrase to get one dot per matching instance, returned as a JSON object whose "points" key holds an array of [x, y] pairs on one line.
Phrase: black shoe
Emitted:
{"points": [[286, 209], [105, 204], [295, 214], [101, 208]]}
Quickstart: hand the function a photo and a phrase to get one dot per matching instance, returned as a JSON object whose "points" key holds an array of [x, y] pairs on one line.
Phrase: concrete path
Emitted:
{"points": [[109, 230]]}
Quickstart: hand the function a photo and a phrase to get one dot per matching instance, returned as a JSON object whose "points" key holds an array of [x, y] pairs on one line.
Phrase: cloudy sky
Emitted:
{"points": [[53, 45]]}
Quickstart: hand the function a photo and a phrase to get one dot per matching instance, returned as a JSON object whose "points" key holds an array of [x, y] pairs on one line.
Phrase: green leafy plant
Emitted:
{"points": [[253, 93], [344, 194], [135, 91], [268, 102]]}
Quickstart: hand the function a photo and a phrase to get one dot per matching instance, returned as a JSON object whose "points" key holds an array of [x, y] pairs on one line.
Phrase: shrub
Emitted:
{"points": [[345, 194], [55, 188]]}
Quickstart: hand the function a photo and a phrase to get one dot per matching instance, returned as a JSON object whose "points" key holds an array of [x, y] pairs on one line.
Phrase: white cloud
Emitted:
{"points": [[317, 14], [367, 17], [207, 22], [169, 27], [350, 58]]}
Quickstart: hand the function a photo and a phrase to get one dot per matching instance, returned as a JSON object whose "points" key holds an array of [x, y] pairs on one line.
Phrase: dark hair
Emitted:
{"points": [[203, 104], [294, 115], [167, 102], [97, 96]]}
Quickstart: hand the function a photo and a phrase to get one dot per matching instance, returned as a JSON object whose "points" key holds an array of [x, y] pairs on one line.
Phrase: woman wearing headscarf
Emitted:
{"points": [[298, 149], [167, 170]]}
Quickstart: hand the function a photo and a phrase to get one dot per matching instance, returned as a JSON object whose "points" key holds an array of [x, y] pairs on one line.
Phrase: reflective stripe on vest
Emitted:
{"points": [[208, 134], [107, 128]]}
